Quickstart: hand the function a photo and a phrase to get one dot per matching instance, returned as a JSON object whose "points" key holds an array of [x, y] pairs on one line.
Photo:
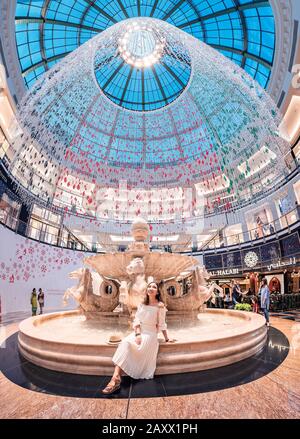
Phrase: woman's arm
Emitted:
{"points": [[137, 326], [137, 329], [136, 321], [162, 326], [165, 333], [138, 336]]}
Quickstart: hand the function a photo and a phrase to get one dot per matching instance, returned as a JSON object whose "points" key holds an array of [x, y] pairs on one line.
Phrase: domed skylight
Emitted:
{"points": [[220, 132], [243, 30], [142, 70]]}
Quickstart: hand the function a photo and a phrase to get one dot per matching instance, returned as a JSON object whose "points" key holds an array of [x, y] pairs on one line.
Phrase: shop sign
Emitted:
{"points": [[228, 272], [281, 264]]}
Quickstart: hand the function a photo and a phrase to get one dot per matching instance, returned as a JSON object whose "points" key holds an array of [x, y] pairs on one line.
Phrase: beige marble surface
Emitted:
{"points": [[67, 342], [275, 396]]}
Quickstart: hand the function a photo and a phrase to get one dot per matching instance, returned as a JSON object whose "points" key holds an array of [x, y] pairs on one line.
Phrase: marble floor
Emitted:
{"points": [[265, 386], [289, 315]]}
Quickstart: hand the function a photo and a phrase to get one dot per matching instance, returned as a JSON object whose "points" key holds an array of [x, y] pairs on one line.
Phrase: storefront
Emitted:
{"points": [[224, 277], [283, 277]]}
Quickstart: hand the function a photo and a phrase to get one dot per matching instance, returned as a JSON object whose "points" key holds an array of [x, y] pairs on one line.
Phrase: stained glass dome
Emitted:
{"points": [[242, 30]]}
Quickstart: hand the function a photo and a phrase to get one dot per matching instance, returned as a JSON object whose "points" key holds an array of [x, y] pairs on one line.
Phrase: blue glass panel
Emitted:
{"points": [[247, 31]]}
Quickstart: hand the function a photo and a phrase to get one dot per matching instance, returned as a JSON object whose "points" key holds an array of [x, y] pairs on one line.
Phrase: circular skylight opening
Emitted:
{"points": [[140, 47], [143, 68]]}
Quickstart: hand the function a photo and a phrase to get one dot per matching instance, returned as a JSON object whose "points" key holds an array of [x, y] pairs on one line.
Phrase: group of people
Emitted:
{"points": [[234, 294], [230, 298], [37, 300]]}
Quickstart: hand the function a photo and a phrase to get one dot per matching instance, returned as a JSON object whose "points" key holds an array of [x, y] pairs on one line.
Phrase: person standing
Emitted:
{"points": [[254, 301], [227, 299], [259, 227], [33, 301], [218, 295], [235, 292], [41, 300], [265, 300]]}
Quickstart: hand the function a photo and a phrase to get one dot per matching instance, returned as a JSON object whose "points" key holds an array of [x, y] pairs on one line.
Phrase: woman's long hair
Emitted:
{"points": [[158, 295]]}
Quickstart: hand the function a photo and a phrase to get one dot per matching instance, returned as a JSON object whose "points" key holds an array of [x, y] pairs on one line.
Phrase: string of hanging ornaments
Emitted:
{"points": [[146, 103]]}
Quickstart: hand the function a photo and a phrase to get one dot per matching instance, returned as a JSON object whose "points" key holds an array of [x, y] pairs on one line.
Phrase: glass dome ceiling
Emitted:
{"points": [[220, 133], [242, 30], [147, 73]]}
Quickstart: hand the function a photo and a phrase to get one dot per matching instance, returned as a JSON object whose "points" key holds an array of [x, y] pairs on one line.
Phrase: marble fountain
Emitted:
{"points": [[83, 341]]}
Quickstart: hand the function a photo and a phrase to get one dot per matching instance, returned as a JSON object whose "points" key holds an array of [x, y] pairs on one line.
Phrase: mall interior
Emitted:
{"points": [[150, 142]]}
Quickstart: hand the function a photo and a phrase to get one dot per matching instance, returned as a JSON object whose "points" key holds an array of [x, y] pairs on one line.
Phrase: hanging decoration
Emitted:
{"points": [[147, 104]]}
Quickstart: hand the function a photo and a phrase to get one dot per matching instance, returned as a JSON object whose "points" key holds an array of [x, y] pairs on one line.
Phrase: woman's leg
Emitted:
{"points": [[115, 381], [117, 373], [266, 312]]}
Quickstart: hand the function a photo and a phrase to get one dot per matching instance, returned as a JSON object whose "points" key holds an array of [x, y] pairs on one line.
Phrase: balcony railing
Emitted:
{"points": [[58, 235], [260, 232]]}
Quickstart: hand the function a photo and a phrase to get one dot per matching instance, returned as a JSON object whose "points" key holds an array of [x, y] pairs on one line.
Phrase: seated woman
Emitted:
{"points": [[136, 355]]}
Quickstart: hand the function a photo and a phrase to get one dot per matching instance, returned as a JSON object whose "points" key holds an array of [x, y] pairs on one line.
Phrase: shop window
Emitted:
{"points": [[234, 234], [232, 260], [270, 252], [290, 245], [51, 234], [9, 211], [260, 223], [213, 262], [297, 191], [34, 229], [46, 214]]}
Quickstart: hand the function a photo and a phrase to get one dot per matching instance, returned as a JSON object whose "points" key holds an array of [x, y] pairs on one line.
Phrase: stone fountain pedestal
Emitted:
{"points": [[66, 342]]}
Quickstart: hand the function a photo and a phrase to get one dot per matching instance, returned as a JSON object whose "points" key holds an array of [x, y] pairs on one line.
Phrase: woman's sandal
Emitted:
{"points": [[112, 386]]}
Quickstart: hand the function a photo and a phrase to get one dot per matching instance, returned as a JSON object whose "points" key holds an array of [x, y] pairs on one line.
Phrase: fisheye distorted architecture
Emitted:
{"points": [[149, 206]]}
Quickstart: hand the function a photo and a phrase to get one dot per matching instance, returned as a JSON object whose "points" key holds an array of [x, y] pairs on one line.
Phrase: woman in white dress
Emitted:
{"points": [[136, 355]]}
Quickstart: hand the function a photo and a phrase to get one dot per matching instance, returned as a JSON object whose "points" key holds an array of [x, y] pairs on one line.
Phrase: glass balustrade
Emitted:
{"points": [[59, 235]]}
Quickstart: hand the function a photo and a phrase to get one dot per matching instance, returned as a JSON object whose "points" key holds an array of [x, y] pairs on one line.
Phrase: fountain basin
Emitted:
{"points": [[67, 342]]}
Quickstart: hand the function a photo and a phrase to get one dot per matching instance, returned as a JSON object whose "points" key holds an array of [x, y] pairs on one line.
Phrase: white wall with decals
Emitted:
{"points": [[26, 264]]}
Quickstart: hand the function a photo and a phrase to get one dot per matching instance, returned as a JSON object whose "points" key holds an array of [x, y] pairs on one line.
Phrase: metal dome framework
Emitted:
{"points": [[147, 73], [243, 30]]}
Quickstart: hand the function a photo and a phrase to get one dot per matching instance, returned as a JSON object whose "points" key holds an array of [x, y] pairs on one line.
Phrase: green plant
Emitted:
{"points": [[243, 307]]}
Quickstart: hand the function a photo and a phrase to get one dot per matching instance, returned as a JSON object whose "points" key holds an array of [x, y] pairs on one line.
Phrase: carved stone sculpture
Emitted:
{"points": [[198, 292], [124, 277], [106, 300]]}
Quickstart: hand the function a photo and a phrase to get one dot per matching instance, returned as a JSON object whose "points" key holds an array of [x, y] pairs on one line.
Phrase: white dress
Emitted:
{"points": [[139, 361]]}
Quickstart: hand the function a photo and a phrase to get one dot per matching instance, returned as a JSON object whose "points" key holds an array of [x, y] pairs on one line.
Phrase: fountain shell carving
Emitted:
{"points": [[124, 277]]}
